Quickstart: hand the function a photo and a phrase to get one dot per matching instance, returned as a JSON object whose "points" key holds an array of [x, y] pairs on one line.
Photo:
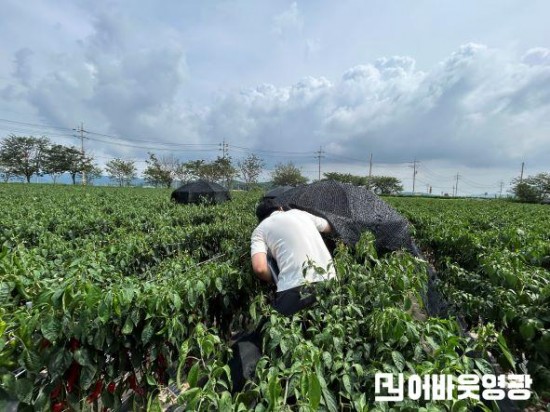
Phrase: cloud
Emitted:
{"points": [[23, 67], [537, 56], [288, 21], [108, 82], [478, 107], [313, 46]]}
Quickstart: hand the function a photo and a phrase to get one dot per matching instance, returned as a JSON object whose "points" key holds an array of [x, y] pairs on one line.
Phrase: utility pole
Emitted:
{"points": [[456, 186], [414, 173], [319, 157], [224, 147], [81, 130], [370, 166], [521, 175], [501, 187]]}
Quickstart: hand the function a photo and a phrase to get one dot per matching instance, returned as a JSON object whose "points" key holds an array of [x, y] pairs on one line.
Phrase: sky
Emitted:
{"points": [[460, 87]]}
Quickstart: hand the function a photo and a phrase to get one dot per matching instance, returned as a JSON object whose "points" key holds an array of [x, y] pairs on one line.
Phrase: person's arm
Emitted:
{"points": [[321, 224], [258, 252], [327, 228], [260, 267]]}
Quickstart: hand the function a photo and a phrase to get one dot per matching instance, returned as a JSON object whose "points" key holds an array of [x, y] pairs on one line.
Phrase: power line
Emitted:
{"points": [[476, 185], [151, 147], [35, 124], [434, 174], [89, 132], [152, 141], [270, 151]]}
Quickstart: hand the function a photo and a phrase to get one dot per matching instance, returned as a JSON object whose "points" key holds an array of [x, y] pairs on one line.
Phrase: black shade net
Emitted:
{"points": [[351, 210], [201, 191]]}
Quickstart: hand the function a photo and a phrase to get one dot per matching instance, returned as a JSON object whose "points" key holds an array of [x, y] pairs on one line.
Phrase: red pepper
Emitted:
{"points": [[132, 381], [74, 344], [55, 393], [74, 372], [161, 361], [96, 392], [161, 368], [45, 343], [111, 387], [134, 386], [58, 407]]}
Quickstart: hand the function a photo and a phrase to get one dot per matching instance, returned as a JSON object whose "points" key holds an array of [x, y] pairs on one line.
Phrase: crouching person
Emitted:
{"points": [[286, 249]]}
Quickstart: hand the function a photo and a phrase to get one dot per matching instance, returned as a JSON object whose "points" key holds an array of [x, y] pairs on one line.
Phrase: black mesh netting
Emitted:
{"points": [[201, 191], [277, 191], [352, 210]]}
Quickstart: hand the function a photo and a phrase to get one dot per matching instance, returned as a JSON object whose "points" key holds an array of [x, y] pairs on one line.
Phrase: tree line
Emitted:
{"points": [[23, 157]]}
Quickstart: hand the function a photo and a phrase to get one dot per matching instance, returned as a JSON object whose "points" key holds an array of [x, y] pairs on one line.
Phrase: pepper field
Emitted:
{"points": [[115, 298]]}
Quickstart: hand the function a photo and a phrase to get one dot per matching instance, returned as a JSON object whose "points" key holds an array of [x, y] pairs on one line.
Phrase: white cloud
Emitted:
{"points": [[313, 47], [226, 75], [537, 56], [23, 66], [288, 21]]}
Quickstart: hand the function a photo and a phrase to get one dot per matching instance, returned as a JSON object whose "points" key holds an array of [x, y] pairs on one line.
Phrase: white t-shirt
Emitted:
{"points": [[293, 239]]}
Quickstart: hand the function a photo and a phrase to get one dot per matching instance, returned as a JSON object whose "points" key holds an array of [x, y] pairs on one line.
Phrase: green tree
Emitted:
{"points": [[532, 189], [93, 172], [59, 159], [191, 170], [224, 171], [347, 178], [4, 173], [121, 171], [77, 162], [220, 170], [287, 174], [55, 163], [250, 169], [161, 172], [384, 185], [23, 156]]}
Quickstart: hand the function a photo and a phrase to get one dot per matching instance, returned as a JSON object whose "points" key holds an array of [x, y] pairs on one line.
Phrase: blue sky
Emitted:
{"points": [[461, 86]]}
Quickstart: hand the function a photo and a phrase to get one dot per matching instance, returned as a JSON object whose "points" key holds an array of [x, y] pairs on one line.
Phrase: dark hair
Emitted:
{"points": [[266, 207]]}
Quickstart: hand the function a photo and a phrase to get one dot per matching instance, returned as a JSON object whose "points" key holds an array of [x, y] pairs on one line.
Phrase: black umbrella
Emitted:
{"points": [[352, 210], [201, 191], [277, 191]]}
